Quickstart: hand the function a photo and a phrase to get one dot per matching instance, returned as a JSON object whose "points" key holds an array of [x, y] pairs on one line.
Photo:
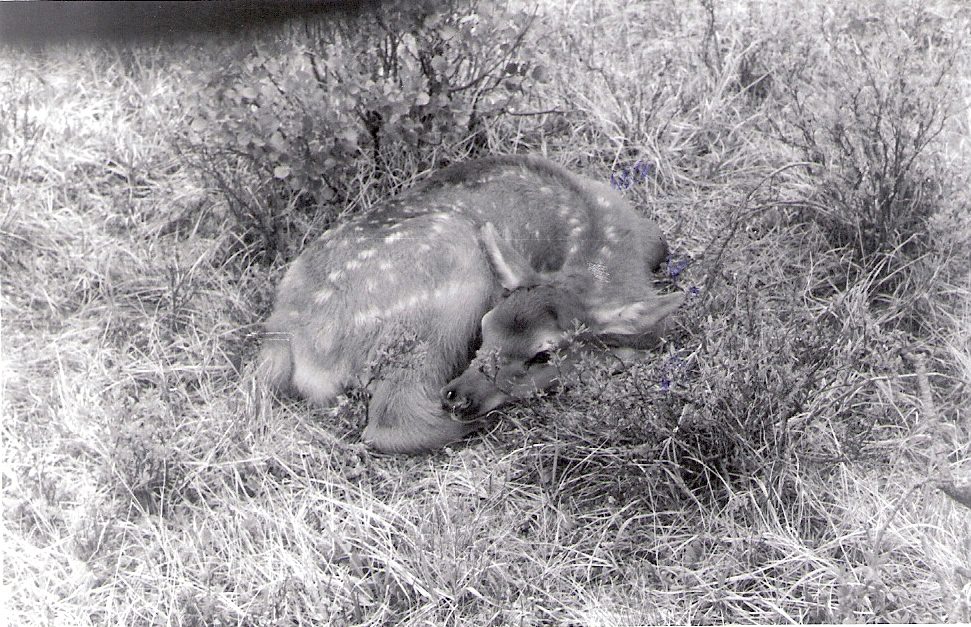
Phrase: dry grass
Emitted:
{"points": [[816, 390]]}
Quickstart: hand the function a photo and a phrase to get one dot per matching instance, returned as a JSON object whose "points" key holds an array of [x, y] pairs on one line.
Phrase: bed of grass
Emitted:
{"points": [[779, 459]]}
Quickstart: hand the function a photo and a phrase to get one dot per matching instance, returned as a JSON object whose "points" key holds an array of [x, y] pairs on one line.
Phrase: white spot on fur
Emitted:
{"points": [[367, 253], [394, 237], [424, 248], [385, 265], [415, 299], [363, 317], [603, 202], [323, 295], [352, 265], [545, 190], [573, 221], [450, 293], [335, 276]]}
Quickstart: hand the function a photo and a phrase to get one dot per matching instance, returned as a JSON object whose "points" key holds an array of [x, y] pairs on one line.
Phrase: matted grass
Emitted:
{"points": [[777, 460]]}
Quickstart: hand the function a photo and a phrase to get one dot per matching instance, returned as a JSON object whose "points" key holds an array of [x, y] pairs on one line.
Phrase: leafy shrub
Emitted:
{"points": [[349, 101], [873, 189]]}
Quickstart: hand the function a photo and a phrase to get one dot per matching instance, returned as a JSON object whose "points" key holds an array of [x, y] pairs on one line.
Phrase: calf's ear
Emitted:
{"points": [[637, 318], [511, 268]]}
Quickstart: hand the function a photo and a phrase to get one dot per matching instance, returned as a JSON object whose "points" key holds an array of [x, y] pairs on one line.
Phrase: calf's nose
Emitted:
{"points": [[453, 400]]}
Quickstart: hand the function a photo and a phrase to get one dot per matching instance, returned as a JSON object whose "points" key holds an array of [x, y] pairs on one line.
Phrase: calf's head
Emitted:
{"points": [[529, 338]]}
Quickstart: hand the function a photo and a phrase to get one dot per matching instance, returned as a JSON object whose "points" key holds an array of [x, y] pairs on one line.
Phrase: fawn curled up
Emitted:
{"points": [[505, 254]]}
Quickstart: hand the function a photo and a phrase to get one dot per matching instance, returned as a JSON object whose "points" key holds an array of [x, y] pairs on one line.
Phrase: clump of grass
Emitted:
{"points": [[873, 189]]}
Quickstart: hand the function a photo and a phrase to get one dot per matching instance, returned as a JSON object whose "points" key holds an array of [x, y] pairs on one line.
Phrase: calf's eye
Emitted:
{"points": [[540, 358]]}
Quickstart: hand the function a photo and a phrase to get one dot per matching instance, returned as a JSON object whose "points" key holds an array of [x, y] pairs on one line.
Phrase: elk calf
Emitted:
{"points": [[517, 245]]}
